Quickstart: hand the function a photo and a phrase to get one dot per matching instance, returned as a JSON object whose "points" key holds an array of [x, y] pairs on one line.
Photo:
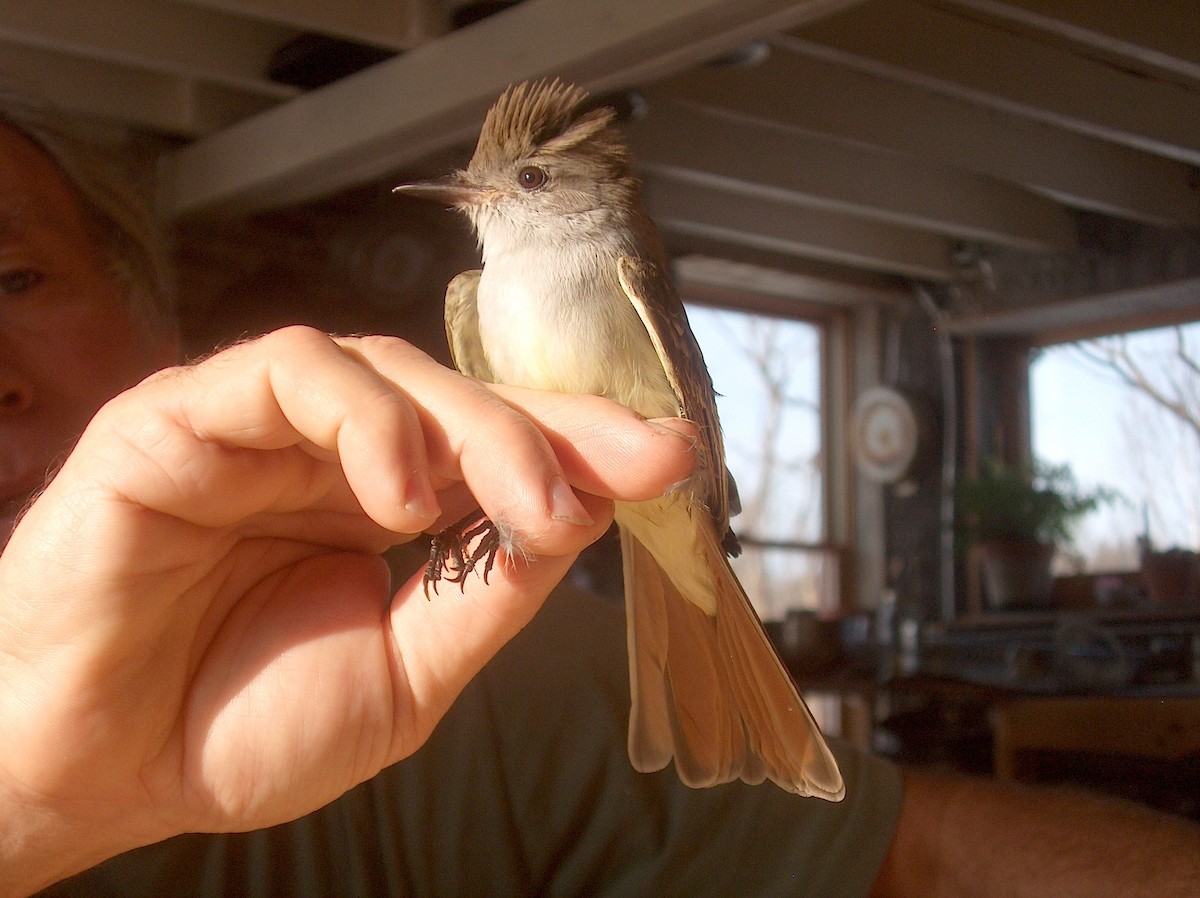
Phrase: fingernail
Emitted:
{"points": [[676, 427], [565, 505], [420, 500]]}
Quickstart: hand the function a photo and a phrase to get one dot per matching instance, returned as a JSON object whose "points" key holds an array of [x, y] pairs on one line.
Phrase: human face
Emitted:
{"points": [[68, 341]]}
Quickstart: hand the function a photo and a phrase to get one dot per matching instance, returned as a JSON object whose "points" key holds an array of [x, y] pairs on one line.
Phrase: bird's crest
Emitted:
{"points": [[546, 117]]}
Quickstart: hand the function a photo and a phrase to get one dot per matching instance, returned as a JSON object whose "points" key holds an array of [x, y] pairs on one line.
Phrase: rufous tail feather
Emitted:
{"points": [[707, 689]]}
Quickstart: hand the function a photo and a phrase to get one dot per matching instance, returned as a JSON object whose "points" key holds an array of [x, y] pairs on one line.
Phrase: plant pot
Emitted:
{"points": [[1171, 577], [1016, 573]]}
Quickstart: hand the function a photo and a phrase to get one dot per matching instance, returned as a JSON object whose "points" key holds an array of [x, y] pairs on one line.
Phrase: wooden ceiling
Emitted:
{"points": [[1006, 148]]}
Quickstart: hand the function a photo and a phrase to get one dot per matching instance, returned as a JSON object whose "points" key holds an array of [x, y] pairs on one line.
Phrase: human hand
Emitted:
{"points": [[195, 626]]}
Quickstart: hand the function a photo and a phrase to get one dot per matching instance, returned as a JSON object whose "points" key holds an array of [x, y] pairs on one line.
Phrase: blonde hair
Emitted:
{"points": [[119, 214]]}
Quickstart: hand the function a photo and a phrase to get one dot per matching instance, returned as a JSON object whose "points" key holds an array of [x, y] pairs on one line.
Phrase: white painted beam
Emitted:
{"points": [[737, 278], [154, 101], [1159, 35], [882, 286], [998, 68], [394, 113], [692, 210], [1154, 305], [759, 160], [167, 38], [815, 93], [395, 24]]}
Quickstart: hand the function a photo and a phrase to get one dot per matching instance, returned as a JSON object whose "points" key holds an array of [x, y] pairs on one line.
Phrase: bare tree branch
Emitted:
{"points": [[1113, 354]]}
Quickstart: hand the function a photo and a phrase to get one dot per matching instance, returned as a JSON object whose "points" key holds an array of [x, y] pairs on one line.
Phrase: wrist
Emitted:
{"points": [[40, 845]]}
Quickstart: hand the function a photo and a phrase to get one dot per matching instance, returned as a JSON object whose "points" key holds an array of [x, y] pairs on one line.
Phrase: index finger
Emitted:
{"points": [[294, 389], [518, 449]]}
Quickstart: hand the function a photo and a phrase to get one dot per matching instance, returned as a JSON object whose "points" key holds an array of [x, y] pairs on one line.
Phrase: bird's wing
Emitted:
{"points": [[650, 291], [462, 326]]}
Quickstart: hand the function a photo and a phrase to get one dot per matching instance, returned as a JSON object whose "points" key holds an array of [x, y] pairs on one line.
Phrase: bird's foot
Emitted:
{"points": [[452, 557]]}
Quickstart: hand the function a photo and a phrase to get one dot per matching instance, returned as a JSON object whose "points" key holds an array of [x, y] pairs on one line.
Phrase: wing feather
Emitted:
{"points": [[462, 326], [649, 289]]}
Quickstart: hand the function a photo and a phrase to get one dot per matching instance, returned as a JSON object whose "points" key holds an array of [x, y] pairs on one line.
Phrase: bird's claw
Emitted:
{"points": [[451, 556]]}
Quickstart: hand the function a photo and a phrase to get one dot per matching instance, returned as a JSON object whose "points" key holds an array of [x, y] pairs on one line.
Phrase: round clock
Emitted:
{"points": [[884, 434]]}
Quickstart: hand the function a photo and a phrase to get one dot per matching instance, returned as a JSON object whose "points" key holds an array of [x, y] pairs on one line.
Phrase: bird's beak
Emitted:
{"points": [[451, 190]]}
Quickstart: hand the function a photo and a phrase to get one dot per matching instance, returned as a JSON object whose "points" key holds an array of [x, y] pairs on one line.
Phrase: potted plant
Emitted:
{"points": [[1170, 576], [1015, 518]]}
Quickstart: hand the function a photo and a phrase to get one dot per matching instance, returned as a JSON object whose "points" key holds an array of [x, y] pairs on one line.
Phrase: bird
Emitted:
{"points": [[575, 296]]}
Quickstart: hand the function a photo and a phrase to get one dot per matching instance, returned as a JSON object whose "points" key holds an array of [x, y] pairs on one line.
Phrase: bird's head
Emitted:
{"points": [[545, 161]]}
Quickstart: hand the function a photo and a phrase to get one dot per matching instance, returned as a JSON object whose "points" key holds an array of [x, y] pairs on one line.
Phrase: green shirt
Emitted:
{"points": [[525, 788]]}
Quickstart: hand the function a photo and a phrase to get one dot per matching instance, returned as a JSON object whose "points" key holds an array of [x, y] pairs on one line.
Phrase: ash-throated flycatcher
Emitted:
{"points": [[574, 296]]}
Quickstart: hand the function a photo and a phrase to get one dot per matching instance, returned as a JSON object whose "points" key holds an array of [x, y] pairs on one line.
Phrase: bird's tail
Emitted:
{"points": [[707, 687]]}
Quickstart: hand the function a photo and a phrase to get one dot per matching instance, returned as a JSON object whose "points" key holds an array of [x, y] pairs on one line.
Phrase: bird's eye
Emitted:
{"points": [[531, 177]]}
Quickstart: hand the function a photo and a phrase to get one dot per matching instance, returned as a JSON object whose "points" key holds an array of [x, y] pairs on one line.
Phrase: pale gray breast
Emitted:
{"points": [[568, 327]]}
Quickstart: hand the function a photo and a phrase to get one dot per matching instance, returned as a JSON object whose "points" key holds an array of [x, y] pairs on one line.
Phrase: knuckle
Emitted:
{"points": [[294, 337]]}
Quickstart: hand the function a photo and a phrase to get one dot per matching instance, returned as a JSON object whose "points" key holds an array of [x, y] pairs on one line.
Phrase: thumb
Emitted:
{"points": [[442, 639]]}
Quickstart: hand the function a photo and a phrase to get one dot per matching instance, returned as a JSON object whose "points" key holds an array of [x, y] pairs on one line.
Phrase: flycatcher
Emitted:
{"points": [[574, 296]]}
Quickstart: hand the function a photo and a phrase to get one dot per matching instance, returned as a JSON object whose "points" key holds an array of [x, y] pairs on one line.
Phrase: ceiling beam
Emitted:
{"points": [[708, 212], [393, 24], [813, 92], [392, 114], [1151, 280], [154, 101], [1136, 308], [964, 57], [695, 272], [1154, 35], [166, 38], [881, 286], [694, 144]]}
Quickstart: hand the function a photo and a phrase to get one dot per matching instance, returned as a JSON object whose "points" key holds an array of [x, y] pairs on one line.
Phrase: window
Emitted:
{"points": [[767, 372], [1124, 411]]}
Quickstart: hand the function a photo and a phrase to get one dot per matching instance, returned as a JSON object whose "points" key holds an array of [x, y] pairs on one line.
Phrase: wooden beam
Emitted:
{"points": [[997, 68], [392, 24], [171, 39], [692, 143], [1164, 36], [1155, 305], [884, 287], [392, 114], [739, 278], [704, 211], [152, 100], [815, 91]]}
